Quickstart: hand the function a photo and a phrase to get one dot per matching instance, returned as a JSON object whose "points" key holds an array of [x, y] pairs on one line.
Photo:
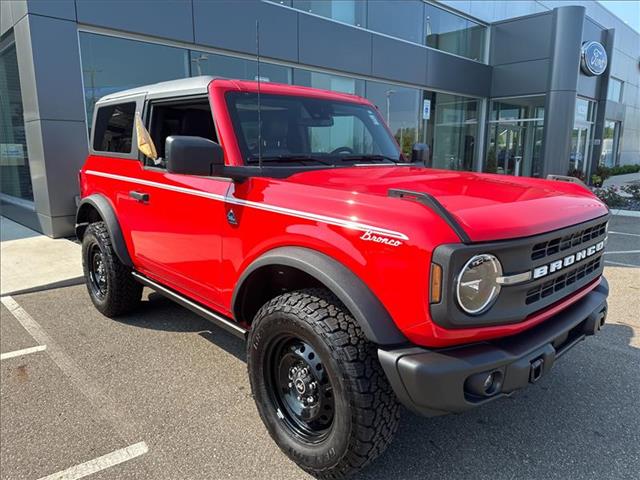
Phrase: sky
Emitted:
{"points": [[627, 10]]}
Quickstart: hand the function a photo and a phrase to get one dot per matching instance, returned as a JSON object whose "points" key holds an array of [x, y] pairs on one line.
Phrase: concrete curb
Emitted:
{"points": [[625, 213]]}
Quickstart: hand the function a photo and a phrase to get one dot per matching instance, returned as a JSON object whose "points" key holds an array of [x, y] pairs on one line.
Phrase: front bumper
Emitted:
{"points": [[436, 382]]}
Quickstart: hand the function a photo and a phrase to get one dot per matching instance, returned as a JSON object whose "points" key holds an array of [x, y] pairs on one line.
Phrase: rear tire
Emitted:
{"points": [[305, 344], [112, 288]]}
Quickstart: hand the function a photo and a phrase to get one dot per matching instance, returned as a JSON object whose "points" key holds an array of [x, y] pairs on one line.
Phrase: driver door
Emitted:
{"points": [[176, 227]]}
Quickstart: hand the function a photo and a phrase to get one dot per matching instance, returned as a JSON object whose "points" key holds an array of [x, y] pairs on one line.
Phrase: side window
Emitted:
{"points": [[192, 118], [114, 128]]}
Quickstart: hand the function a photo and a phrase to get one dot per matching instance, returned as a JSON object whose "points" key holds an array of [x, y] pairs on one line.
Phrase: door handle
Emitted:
{"points": [[141, 197]]}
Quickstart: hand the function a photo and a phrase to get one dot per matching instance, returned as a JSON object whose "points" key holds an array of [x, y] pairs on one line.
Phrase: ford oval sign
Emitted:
{"points": [[593, 60]]}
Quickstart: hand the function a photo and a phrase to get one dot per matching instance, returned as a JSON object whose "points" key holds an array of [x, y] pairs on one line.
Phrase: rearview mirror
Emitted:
{"points": [[193, 155], [420, 154]]}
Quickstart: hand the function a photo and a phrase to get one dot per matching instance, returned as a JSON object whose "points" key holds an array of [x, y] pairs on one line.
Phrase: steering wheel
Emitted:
{"points": [[339, 150]]}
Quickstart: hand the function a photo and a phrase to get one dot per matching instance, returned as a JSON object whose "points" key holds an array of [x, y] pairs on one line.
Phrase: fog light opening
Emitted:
{"points": [[485, 384]]}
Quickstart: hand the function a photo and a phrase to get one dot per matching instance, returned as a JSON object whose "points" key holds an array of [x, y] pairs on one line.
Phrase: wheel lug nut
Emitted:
{"points": [[290, 385], [309, 399]]}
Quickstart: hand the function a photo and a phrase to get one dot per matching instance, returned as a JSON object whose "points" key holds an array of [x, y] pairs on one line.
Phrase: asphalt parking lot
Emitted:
{"points": [[162, 394]]}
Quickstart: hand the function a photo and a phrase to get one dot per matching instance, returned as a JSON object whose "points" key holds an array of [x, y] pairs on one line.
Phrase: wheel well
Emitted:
{"points": [[86, 214], [267, 282]]}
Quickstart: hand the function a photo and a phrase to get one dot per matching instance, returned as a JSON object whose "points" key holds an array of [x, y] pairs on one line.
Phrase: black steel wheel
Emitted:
{"points": [[97, 271], [300, 387], [318, 385], [112, 288]]}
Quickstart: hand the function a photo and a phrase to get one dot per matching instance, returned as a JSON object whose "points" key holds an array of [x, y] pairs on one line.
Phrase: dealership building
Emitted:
{"points": [[520, 88]]}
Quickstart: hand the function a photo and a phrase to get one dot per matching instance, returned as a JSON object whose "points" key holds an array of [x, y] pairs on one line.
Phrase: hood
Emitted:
{"points": [[487, 206]]}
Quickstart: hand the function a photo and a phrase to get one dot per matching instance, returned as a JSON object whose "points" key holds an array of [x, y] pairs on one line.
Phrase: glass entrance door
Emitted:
{"points": [[509, 149], [515, 134], [580, 143], [581, 138]]}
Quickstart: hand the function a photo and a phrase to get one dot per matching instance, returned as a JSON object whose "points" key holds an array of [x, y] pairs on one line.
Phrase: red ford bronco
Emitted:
{"points": [[362, 279]]}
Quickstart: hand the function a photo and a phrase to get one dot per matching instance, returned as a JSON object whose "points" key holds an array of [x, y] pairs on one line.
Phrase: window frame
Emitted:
{"points": [[147, 118], [138, 99]]}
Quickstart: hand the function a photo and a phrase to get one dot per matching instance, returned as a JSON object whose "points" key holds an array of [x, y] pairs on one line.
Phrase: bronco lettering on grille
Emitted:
{"points": [[544, 270]]}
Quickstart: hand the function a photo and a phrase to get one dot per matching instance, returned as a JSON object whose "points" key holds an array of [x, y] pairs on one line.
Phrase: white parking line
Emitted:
{"points": [[610, 262], [625, 233], [622, 251], [105, 408], [100, 463], [24, 351]]}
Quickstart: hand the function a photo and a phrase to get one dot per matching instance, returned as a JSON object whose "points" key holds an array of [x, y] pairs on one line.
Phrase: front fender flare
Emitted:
{"points": [[108, 215], [368, 311]]}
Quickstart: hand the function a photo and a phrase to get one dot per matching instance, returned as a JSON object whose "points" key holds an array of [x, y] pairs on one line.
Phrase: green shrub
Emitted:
{"points": [[596, 181], [624, 169], [603, 172]]}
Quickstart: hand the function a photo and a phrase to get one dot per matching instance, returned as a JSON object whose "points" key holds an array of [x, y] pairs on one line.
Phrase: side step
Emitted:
{"points": [[206, 313]]}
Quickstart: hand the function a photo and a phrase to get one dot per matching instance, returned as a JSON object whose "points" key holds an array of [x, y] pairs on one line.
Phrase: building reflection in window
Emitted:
{"points": [[111, 64], [15, 177]]}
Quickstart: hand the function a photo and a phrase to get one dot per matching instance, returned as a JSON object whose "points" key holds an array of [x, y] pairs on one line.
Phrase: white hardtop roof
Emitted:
{"points": [[181, 87]]}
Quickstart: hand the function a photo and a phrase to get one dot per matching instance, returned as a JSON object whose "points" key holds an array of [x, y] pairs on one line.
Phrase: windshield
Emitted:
{"points": [[309, 130]]}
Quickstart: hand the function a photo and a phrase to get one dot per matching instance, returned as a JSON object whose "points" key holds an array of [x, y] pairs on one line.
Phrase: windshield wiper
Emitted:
{"points": [[369, 157], [289, 158]]}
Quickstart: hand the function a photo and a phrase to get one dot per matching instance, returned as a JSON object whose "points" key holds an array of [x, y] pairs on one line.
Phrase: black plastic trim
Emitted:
{"points": [[435, 205], [106, 212], [432, 382], [372, 316]]}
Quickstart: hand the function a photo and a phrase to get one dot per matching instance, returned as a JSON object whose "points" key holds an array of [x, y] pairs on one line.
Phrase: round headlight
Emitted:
{"points": [[476, 287]]}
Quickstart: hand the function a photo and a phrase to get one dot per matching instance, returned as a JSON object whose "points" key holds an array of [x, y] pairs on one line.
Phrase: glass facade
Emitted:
{"points": [[15, 178], [204, 63], [412, 20], [614, 92], [454, 34], [449, 125], [353, 12], [515, 136], [400, 107], [325, 81], [452, 131], [610, 143], [111, 64]]}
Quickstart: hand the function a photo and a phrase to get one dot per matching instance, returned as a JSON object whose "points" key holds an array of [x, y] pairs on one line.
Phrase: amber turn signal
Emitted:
{"points": [[436, 283]]}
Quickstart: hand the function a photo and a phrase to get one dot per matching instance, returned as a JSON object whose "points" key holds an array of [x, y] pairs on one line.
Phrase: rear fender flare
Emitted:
{"points": [[100, 204]]}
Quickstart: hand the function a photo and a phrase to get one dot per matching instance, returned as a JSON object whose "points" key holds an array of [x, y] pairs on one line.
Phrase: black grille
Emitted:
{"points": [[560, 244], [563, 281]]}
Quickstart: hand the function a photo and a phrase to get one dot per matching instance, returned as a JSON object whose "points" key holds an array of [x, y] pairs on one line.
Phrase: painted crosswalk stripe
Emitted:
{"points": [[24, 351], [100, 463]]}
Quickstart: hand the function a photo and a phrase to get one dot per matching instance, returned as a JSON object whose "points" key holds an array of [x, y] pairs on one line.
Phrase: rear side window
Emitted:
{"points": [[114, 128]]}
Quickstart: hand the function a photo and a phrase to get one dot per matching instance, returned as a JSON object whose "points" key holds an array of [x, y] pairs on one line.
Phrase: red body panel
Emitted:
{"points": [[185, 241]]}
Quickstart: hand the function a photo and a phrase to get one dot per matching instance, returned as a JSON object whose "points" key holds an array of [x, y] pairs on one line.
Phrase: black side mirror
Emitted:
{"points": [[420, 154], [193, 155]]}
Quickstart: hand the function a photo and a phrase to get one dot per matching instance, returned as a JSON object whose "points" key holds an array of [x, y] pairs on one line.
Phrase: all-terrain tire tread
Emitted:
{"points": [[374, 405], [124, 291]]}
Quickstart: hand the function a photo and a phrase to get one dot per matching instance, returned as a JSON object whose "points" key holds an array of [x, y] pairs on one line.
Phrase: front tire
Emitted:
{"points": [[318, 385], [112, 288]]}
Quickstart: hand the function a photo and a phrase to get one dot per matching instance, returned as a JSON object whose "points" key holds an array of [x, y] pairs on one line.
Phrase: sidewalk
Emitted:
{"points": [[620, 180], [30, 261]]}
